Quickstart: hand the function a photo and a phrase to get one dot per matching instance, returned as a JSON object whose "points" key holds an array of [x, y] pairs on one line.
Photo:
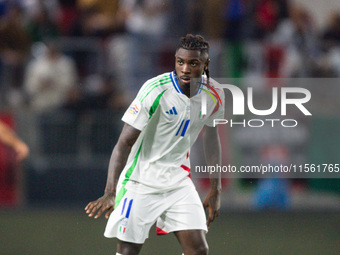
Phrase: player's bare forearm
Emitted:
{"points": [[119, 156], [118, 160], [212, 151]]}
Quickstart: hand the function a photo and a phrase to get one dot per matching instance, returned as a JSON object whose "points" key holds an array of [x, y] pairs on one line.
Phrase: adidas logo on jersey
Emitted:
{"points": [[172, 111]]}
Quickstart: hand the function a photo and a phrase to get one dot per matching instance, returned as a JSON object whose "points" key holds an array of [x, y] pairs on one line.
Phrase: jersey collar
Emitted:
{"points": [[178, 88]]}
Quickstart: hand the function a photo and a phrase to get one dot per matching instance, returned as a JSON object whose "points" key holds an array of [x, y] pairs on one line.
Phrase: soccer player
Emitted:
{"points": [[8, 137], [149, 171]]}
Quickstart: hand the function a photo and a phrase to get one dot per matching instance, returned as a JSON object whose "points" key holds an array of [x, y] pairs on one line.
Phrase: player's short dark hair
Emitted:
{"points": [[194, 42]]}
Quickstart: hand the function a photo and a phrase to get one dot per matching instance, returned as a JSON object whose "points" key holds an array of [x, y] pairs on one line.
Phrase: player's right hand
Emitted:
{"points": [[102, 204]]}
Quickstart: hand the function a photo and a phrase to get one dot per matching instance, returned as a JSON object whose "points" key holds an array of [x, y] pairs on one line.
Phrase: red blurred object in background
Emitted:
{"points": [[9, 181]]}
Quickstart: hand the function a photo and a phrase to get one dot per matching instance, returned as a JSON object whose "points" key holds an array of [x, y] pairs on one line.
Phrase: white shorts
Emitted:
{"points": [[180, 209]]}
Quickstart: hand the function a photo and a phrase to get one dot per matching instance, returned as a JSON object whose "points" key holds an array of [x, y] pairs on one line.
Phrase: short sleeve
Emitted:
{"points": [[139, 111], [137, 114]]}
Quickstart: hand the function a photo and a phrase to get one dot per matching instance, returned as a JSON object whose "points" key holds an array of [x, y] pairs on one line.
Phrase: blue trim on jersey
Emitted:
{"points": [[129, 209], [175, 83], [178, 88]]}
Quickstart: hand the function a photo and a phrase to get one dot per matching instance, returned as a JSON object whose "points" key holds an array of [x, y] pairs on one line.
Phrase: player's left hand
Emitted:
{"points": [[213, 203]]}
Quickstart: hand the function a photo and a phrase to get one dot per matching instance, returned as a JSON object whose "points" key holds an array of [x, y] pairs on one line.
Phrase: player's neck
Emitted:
{"points": [[187, 89]]}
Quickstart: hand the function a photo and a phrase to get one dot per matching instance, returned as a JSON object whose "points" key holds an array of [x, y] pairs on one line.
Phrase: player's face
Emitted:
{"points": [[189, 64]]}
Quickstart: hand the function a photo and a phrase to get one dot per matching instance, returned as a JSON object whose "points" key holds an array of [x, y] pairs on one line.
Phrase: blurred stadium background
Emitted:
{"points": [[69, 69]]}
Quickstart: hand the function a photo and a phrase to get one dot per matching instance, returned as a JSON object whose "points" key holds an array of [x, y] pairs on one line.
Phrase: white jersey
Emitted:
{"points": [[170, 122]]}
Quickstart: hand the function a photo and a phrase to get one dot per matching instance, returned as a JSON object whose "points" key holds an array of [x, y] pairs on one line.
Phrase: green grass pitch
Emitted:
{"points": [[60, 231]]}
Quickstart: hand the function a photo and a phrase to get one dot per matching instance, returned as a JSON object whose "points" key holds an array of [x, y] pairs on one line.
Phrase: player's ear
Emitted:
{"points": [[206, 64]]}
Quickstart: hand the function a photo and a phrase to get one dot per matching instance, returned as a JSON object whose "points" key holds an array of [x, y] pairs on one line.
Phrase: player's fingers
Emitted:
{"points": [[205, 205], [208, 222], [93, 209], [102, 208], [210, 217], [90, 205], [110, 210], [217, 213], [213, 214]]}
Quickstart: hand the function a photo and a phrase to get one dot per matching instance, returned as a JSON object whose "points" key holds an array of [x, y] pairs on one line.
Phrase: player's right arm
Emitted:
{"points": [[136, 118], [118, 160]]}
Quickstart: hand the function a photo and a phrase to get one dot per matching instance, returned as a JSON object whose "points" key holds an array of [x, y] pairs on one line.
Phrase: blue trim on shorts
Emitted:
{"points": [[123, 206], [129, 209]]}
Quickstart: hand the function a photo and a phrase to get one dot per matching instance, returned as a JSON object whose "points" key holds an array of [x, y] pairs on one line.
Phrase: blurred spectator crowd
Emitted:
{"points": [[48, 59]]}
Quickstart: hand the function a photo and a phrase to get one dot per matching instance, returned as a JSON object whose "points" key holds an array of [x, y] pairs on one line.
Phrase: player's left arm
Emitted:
{"points": [[212, 151]]}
